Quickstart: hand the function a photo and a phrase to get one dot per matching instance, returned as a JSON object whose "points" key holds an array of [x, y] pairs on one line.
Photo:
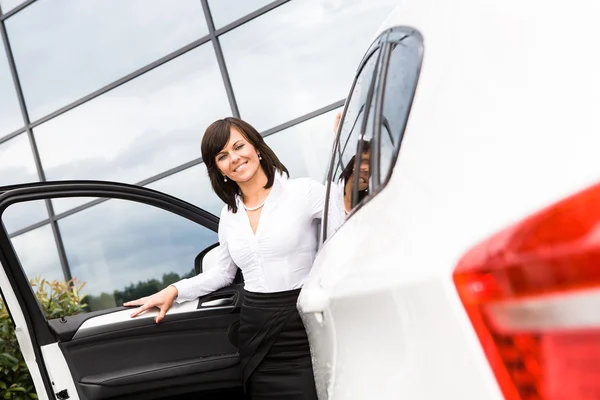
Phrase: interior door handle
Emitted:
{"points": [[223, 301]]}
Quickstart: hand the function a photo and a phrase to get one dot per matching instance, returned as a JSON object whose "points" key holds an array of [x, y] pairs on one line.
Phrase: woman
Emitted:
{"points": [[341, 191], [347, 176], [267, 229]]}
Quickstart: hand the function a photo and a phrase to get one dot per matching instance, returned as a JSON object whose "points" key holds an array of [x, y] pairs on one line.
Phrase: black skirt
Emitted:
{"points": [[274, 351]]}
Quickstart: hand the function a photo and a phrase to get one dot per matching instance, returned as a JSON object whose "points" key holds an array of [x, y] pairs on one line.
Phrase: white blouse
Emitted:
{"points": [[336, 212], [281, 253]]}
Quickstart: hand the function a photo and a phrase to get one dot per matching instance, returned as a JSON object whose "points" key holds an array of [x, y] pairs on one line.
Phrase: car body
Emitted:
{"points": [[502, 124], [491, 113]]}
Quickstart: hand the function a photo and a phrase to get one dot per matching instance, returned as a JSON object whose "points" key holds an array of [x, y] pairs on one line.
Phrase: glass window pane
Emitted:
{"points": [[17, 166], [353, 121], [305, 148], [138, 130], [355, 157], [340, 196], [400, 85], [299, 57], [10, 113], [16, 162], [193, 186], [38, 254], [21, 215], [66, 49], [122, 248], [225, 11], [8, 5]]}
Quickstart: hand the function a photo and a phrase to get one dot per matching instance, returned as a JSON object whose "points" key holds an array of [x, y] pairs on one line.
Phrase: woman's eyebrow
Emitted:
{"points": [[233, 145]]}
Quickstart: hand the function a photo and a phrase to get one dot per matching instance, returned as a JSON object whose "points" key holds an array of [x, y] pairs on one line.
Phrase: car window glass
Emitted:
{"points": [[122, 250], [401, 78], [385, 104], [345, 147]]}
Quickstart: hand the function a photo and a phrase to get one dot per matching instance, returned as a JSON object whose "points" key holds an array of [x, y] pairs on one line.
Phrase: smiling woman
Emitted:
{"points": [[268, 230], [240, 150]]}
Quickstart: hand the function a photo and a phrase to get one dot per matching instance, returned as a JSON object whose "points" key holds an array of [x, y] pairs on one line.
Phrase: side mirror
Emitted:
{"points": [[207, 259], [201, 262]]}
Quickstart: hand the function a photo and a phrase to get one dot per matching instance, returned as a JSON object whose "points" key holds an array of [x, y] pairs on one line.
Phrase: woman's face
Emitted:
{"points": [[238, 160], [363, 172], [363, 175]]}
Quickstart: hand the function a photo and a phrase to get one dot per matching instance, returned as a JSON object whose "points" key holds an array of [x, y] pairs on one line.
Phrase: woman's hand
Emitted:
{"points": [[163, 300], [336, 121]]}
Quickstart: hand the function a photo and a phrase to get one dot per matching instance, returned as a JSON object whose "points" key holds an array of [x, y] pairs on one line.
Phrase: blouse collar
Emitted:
{"points": [[278, 184]]}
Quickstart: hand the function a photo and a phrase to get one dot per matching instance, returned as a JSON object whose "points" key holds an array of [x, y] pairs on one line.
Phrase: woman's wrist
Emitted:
{"points": [[173, 289]]}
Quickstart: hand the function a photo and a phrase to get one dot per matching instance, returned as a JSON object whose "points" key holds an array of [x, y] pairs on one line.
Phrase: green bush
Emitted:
{"points": [[56, 299]]}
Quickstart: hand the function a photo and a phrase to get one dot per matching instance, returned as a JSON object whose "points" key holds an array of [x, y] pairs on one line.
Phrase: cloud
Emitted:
{"points": [[38, 254], [10, 112], [17, 166], [305, 148], [95, 43], [299, 57], [164, 113], [16, 161], [226, 11]]}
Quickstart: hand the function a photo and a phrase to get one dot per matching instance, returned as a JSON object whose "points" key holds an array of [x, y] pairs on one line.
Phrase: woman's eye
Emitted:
{"points": [[239, 147], [221, 157]]}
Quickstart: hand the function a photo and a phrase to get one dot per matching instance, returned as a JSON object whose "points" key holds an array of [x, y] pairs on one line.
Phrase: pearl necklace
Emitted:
{"points": [[253, 208]]}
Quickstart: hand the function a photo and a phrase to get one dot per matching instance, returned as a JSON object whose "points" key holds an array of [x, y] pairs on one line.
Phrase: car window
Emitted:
{"points": [[373, 124], [120, 249], [354, 121], [400, 84]]}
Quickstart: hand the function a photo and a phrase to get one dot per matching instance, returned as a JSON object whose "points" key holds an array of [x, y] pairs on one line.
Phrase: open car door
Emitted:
{"points": [[127, 242]]}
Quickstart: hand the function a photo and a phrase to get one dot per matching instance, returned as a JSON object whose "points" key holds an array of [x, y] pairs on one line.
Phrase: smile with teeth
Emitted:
{"points": [[240, 167]]}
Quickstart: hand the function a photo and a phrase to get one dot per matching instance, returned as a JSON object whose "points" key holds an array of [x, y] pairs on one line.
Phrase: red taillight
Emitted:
{"points": [[532, 293]]}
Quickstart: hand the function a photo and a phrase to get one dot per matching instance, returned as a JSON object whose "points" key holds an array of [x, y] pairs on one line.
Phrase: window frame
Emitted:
{"points": [[384, 42], [44, 336], [41, 332]]}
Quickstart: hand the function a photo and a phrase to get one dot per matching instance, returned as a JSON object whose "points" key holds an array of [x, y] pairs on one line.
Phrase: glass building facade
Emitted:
{"points": [[122, 90]]}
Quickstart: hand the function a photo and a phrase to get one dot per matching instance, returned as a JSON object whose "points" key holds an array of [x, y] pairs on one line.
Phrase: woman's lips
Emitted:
{"points": [[240, 167]]}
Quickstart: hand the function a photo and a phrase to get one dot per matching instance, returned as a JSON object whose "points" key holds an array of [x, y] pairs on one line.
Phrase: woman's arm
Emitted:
{"points": [[336, 121], [189, 289], [315, 198], [208, 281]]}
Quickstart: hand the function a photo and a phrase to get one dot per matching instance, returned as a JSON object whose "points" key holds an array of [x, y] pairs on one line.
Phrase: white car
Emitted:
{"points": [[470, 268], [467, 264]]}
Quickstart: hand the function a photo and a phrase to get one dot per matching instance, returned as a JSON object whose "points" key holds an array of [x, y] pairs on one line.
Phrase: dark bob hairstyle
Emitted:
{"points": [[214, 140]]}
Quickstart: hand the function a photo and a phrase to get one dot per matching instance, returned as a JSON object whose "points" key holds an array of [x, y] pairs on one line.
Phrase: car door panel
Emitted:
{"points": [[31, 332], [112, 320], [111, 355], [154, 356]]}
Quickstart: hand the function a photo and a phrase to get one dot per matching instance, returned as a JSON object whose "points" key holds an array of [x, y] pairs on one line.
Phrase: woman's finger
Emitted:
{"points": [[336, 121], [141, 309], [163, 311], [137, 302]]}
